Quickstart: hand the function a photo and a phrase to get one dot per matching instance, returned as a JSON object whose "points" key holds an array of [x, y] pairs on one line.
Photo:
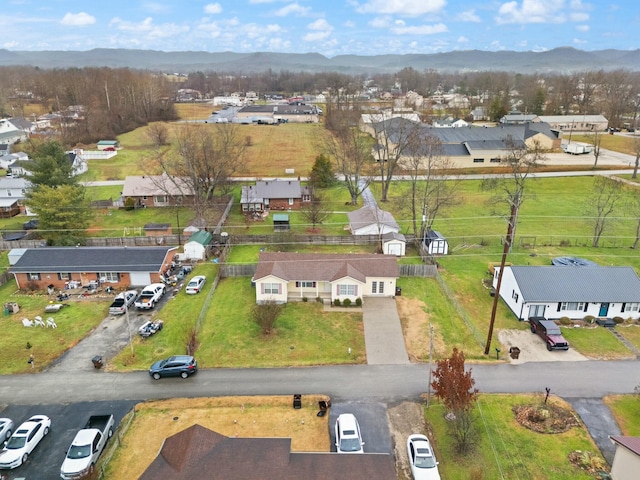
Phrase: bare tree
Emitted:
{"points": [[596, 142], [265, 315], [158, 134], [521, 162], [351, 151], [455, 387], [392, 139], [606, 195], [315, 212], [636, 149], [634, 206]]}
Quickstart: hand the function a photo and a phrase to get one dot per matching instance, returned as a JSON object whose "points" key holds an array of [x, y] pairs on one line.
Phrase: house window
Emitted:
{"points": [[34, 276], [306, 198], [161, 199], [630, 307], [245, 207], [374, 287], [271, 288], [109, 277], [380, 287], [515, 296], [478, 160], [346, 290], [291, 201], [572, 306], [64, 276], [494, 160], [305, 284]]}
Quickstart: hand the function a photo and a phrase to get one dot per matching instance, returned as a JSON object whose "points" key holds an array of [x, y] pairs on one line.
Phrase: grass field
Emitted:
{"points": [[626, 411], [505, 449], [597, 343], [247, 417]]}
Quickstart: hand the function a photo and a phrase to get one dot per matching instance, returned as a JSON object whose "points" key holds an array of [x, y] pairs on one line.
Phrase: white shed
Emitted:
{"points": [[436, 243], [394, 244], [196, 247]]}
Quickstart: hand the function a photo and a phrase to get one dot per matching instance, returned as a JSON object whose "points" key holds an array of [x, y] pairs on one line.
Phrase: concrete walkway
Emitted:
{"points": [[383, 333], [599, 421]]}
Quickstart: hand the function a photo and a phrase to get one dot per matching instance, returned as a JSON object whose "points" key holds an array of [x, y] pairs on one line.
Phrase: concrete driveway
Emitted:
{"points": [[372, 418], [383, 332]]}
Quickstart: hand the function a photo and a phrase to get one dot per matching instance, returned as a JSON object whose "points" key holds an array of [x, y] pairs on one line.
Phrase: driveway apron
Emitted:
{"points": [[599, 420], [383, 333]]}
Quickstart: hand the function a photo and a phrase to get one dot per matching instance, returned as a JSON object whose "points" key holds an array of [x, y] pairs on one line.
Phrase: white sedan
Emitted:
{"points": [[195, 284], [421, 458], [24, 440], [6, 427]]}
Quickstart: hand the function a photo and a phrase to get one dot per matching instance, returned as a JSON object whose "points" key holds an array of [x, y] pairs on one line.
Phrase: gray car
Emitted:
{"points": [[6, 429]]}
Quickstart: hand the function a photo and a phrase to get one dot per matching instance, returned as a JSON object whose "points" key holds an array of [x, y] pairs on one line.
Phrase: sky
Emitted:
{"points": [[328, 27]]}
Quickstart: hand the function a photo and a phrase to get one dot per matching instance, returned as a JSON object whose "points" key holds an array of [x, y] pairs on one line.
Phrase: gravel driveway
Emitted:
{"points": [[533, 349]]}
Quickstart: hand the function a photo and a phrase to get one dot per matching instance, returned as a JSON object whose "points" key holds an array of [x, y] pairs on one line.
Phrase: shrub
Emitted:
{"points": [[129, 203], [336, 302], [265, 315], [305, 299], [618, 320], [358, 302], [566, 321], [347, 302], [589, 319], [318, 299]]}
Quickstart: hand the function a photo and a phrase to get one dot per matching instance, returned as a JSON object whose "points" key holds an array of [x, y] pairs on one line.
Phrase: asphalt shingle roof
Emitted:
{"points": [[370, 215], [577, 284], [92, 259]]}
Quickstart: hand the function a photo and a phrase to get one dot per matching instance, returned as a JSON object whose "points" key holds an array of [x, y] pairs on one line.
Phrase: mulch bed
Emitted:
{"points": [[545, 417]]}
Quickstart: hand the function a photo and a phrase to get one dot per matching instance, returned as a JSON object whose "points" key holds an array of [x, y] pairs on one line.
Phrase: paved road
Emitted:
{"points": [[591, 379]]}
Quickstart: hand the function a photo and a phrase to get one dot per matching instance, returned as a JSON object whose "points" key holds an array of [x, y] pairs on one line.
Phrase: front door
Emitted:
{"points": [[604, 310], [536, 310]]}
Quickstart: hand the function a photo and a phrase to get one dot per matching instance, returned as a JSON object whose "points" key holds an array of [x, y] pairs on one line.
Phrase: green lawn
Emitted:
{"points": [[304, 334], [46, 344], [598, 343], [626, 411], [630, 333], [504, 448]]}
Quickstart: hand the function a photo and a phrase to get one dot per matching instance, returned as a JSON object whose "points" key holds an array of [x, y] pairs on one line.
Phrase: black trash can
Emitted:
{"points": [[297, 401], [514, 352], [398, 292], [97, 361]]}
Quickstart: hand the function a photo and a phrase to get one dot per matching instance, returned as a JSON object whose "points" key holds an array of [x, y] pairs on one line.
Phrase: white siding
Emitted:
{"points": [[626, 465]]}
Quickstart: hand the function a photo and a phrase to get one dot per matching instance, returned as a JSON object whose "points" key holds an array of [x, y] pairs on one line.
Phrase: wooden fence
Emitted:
{"points": [[411, 270]]}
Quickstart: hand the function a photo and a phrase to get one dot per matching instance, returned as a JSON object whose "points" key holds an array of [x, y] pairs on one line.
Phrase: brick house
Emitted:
{"points": [[157, 191], [65, 267], [274, 195]]}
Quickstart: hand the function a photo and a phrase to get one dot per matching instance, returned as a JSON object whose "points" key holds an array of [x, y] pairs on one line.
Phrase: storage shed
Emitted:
{"points": [[108, 144], [196, 247], [281, 222], [436, 243], [394, 244]]}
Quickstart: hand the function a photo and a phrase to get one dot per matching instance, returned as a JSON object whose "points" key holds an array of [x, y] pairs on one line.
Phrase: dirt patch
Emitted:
{"points": [[405, 419], [549, 417], [533, 349], [415, 328], [589, 462]]}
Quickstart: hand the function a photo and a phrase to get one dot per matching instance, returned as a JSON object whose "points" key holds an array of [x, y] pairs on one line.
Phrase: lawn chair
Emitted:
{"points": [[38, 322], [51, 323], [27, 323]]}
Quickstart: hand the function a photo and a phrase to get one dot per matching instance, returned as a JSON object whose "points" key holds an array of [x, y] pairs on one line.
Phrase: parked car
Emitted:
{"points": [[87, 446], [421, 458], [549, 332], [176, 366], [195, 284], [150, 295], [6, 427], [122, 302], [348, 437], [24, 440]]}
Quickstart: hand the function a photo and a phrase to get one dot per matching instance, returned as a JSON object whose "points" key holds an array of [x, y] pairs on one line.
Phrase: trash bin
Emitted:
{"points": [[514, 352], [97, 361], [398, 292], [297, 401]]}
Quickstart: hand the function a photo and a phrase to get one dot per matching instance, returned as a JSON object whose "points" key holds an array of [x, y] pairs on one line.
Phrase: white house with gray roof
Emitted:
{"points": [[274, 195], [554, 292], [371, 220]]}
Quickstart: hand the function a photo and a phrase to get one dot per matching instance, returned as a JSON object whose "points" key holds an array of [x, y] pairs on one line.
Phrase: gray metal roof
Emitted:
{"points": [[577, 284], [272, 189], [91, 259], [369, 215]]}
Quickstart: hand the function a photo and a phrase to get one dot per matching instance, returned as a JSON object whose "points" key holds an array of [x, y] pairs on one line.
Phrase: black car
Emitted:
{"points": [[176, 366], [30, 225]]}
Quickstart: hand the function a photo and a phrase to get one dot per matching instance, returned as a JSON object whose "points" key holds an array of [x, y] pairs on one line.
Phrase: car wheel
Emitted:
{"points": [[8, 434], [92, 467], [184, 374], [156, 376], [24, 458], [549, 346], [110, 434], [45, 431]]}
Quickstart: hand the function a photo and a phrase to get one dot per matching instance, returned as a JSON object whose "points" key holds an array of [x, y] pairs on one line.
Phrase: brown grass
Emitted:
{"points": [[194, 111], [415, 327], [231, 416]]}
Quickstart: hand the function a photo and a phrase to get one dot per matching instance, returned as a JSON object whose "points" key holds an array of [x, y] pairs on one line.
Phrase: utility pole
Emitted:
{"points": [[430, 359], [505, 251]]}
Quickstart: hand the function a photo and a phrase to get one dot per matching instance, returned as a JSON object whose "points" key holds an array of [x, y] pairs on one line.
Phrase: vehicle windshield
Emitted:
{"points": [[79, 451], [425, 462], [350, 445], [193, 283], [118, 302], [16, 442]]}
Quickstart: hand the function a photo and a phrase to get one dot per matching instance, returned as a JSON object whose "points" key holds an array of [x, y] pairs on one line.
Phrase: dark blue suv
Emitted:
{"points": [[176, 366]]}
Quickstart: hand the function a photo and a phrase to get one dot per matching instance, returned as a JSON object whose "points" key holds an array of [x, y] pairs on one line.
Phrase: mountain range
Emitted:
{"points": [[559, 60]]}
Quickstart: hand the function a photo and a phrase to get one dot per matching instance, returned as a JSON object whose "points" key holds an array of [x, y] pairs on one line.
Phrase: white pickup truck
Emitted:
{"points": [[86, 447], [150, 295]]}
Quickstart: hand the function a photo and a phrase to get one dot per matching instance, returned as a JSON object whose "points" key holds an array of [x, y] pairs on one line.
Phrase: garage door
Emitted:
{"points": [[395, 249], [140, 278]]}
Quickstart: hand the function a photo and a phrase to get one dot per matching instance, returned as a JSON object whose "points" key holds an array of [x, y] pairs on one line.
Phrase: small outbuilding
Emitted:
{"points": [[108, 144], [197, 246], [394, 243], [157, 229], [626, 461], [281, 222], [436, 243]]}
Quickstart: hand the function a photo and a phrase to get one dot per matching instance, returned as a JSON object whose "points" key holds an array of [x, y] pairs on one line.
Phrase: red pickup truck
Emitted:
{"points": [[549, 332]]}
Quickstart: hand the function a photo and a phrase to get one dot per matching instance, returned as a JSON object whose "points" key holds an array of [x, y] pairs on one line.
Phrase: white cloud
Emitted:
{"points": [[78, 19], [213, 8], [126, 26], [579, 42], [468, 16], [531, 11], [380, 22], [462, 39], [410, 8], [9, 45], [320, 29], [315, 36], [421, 29], [349, 24], [155, 7], [320, 24], [583, 28], [579, 16], [293, 9]]}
